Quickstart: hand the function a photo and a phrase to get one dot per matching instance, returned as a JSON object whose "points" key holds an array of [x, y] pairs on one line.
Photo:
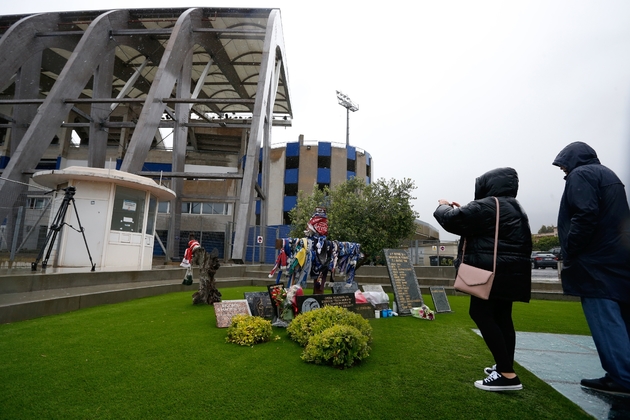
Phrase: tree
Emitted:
{"points": [[546, 229], [377, 216], [545, 243]]}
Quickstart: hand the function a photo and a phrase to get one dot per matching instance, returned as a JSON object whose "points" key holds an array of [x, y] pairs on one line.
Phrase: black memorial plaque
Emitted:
{"points": [[308, 303], [366, 310], [260, 304], [404, 281], [440, 300], [339, 287]]}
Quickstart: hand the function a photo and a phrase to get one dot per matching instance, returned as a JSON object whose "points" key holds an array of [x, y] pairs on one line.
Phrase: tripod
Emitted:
{"points": [[56, 226]]}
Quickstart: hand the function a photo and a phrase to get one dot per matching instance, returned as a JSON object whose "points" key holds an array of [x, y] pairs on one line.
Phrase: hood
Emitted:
{"points": [[500, 182], [576, 154]]}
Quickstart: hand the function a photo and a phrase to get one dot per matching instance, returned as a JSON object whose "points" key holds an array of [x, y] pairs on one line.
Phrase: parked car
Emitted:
{"points": [[556, 251], [544, 260]]}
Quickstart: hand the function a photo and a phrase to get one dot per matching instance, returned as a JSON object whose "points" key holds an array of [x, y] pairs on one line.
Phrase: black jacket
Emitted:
{"points": [[476, 222], [593, 227]]}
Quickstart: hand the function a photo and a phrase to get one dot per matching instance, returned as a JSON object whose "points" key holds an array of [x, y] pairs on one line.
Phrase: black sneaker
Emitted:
{"points": [[489, 370], [497, 382], [605, 384]]}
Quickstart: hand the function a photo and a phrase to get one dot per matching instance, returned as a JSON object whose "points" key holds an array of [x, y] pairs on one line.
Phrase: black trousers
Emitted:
{"points": [[494, 320]]}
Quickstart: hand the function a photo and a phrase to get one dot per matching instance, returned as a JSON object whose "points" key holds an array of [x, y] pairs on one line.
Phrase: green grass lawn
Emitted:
{"points": [[162, 357]]}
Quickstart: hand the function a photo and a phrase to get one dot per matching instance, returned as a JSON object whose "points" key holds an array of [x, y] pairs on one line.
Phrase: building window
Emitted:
{"points": [[164, 206], [322, 185], [286, 218], [216, 208], [323, 162], [291, 189], [292, 162], [128, 212], [352, 165], [224, 209], [37, 203]]}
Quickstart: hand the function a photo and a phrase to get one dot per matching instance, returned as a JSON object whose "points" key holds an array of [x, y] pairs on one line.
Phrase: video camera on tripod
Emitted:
{"points": [[56, 226]]}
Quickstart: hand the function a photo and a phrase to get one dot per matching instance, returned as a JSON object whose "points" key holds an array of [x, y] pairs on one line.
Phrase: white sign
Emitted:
{"points": [[259, 239]]}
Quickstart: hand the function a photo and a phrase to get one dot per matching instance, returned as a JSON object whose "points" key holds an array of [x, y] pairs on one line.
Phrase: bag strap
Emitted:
{"points": [[496, 239]]}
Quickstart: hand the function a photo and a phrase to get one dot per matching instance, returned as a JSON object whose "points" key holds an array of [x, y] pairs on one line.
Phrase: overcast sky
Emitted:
{"points": [[448, 90]]}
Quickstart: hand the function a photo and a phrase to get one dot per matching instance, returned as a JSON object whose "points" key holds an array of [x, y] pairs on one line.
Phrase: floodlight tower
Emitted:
{"points": [[346, 102]]}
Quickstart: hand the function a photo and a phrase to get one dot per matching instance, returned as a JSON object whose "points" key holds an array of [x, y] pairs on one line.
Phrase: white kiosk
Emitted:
{"points": [[117, 211]]}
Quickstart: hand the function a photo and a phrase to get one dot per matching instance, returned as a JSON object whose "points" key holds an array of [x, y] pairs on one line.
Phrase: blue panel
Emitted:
{"points": [[118, 164], [289, 203], [368, 159], [157, 167], [4, 161], [350, 174], [324, 148], [58, 162], [259, 179], [257, 206], [323, 175], [367, 180], [352, 152], [293, 149], [291, 176], [260, 155]]}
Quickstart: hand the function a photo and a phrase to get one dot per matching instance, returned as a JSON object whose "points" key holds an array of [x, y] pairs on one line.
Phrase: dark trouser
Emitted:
{"points": [[494, 320], [609, 322]]}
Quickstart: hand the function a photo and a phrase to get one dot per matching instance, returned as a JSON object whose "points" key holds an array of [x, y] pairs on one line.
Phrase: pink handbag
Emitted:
{"points": [[476, 281]]}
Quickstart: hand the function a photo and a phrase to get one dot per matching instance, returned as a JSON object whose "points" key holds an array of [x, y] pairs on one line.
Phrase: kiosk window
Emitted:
{"points": [[128, 214]]}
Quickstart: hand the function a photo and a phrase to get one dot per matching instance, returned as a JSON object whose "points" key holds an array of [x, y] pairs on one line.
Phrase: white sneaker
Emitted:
{"points": [[497, 382]]}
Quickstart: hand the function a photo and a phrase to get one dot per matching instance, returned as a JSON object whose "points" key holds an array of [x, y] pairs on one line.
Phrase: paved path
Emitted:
{"points": [[548, 357]]}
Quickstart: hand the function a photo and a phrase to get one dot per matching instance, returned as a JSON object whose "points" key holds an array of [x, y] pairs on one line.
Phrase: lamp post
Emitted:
{"points": [[346, 102]]}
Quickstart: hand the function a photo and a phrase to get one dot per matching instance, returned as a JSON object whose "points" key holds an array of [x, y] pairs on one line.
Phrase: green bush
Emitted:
{"points": [[339, 345], [308, 324], [248, 330]]}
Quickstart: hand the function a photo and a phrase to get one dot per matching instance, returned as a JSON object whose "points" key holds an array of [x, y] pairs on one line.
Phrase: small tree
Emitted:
{"points": [[376, 215], [546, 229], [545, 243]]}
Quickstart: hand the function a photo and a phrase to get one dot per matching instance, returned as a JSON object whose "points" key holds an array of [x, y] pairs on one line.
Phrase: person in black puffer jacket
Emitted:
{"points": [[513, 277], [594, 232]]}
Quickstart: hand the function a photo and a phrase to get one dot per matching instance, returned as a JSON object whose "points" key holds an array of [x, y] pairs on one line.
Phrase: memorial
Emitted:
{"points": [[226, 309], [404, 281], [260, 304], [440, 300]]}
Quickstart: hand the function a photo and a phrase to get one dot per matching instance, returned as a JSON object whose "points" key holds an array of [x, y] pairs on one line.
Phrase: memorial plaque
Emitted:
{"points": [[404, 281], [260, 304], [339, 287], [308, 303], [440, 301], [366, 310], [226, 309]]}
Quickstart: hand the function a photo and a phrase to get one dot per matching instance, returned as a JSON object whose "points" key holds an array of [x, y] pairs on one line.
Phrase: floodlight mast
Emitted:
{"points": [[346, 102]]}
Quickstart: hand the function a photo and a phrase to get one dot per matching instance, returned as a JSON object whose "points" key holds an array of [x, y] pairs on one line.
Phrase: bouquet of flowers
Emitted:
{"points": [[278, 295], [423, 312]]}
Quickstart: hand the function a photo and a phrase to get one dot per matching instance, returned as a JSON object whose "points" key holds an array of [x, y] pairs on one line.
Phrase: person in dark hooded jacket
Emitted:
{"points": [[594, 233], [513, 277]]}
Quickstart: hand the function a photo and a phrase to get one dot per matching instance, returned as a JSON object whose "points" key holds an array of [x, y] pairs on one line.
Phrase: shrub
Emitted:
{"points": [[340, 346], [248, 330], [308, 324]]}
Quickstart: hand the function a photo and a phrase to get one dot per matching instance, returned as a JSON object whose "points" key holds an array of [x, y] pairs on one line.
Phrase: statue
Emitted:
{"points": [[208, 266]]}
